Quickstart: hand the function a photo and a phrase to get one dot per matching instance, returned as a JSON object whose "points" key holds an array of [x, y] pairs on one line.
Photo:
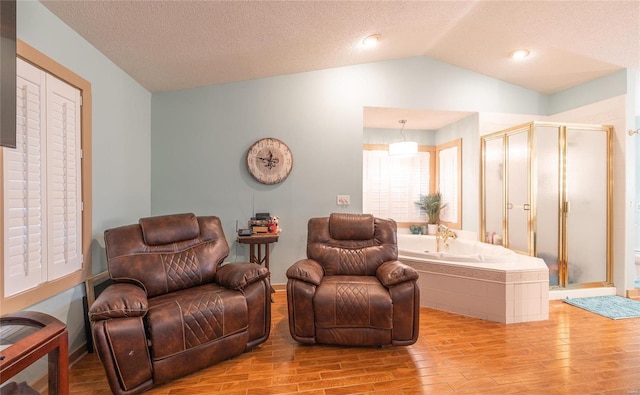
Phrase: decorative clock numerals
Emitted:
{"points": [[269, 161]]}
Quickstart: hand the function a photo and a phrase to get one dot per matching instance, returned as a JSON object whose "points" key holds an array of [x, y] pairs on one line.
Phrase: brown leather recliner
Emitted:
{"points": [[174, 307], [351, 289]]}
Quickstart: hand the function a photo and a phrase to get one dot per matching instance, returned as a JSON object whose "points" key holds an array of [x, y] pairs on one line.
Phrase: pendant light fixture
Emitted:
{"points": [[403, 148]]}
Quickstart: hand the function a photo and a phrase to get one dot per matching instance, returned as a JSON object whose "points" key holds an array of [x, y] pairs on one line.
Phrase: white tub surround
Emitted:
{"points": [[477, 279]]}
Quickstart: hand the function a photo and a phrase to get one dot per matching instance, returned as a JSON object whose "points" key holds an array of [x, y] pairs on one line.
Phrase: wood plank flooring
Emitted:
{"points": [[574, 352]]}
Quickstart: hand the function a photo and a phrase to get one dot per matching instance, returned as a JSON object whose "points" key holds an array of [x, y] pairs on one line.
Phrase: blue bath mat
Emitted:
{"points": [[612, 306]]}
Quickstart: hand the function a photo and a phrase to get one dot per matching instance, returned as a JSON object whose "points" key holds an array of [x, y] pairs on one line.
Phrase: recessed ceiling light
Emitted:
{"points": [[519, 54], [371, 41]]}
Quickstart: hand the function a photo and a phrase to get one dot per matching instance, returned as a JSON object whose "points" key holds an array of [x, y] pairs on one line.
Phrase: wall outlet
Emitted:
{"points": [[343, 200]]}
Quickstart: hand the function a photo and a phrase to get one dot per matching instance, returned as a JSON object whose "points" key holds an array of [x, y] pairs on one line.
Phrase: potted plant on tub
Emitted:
{"points": [[432, 205]]}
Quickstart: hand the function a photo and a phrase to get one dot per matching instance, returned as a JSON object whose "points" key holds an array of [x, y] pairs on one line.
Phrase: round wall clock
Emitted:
{"points": [[269, 161]]}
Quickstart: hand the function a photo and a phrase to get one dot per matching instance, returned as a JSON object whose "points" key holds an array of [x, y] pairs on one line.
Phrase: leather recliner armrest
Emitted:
{"points": [[392, 273], [119, 301], [237, 275], [306, 270]]}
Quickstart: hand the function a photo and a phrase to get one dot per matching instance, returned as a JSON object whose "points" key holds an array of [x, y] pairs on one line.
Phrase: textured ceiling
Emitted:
{"points": [[170, 45]]}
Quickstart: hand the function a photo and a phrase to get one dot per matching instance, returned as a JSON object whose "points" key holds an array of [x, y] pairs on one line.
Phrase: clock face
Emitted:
{"points": [[269, 161]]}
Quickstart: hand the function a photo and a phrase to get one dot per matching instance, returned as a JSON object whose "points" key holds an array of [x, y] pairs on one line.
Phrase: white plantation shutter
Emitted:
{"points": [[63, 178], [420, 184], [392, 185], [42, 183], [399, 180], [24, 185], [376, 183]]}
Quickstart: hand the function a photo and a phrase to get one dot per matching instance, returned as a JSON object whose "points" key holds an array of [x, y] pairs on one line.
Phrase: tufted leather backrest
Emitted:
{"points": [[166, 253], [351, 244]]}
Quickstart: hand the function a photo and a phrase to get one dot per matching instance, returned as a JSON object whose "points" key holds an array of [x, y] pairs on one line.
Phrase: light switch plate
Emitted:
{"points": [[343, 200]]}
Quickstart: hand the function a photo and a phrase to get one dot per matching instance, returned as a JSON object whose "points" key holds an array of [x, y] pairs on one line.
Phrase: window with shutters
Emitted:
{"points": [[44, 229], [391, 185]]}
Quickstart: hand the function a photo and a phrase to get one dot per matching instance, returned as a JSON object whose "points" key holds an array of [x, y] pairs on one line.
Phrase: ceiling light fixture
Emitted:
{"points": [[371, 41], [403, 148], [519, 54]]}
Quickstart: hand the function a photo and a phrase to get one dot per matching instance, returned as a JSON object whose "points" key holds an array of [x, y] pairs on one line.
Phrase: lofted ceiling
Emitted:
{"points": [[181, 44]]}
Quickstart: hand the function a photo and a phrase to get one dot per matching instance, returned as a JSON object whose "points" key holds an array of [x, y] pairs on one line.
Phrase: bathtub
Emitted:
{"points": [[477, 279], [458, 250]]}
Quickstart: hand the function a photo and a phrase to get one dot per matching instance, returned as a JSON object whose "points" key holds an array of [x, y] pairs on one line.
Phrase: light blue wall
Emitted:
{"points": [[467, 129], [611, 85], [200, 137], [121, 152]]}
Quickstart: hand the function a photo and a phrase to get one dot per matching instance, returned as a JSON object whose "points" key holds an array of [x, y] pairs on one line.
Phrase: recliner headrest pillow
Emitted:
{"points": [[168, 229], [351, 226]]}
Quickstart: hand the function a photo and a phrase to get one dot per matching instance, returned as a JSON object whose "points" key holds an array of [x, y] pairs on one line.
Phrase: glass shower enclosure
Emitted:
{"points": [[546, 191]]}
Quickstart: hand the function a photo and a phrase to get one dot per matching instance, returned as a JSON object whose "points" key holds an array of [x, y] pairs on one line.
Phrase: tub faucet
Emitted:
{"points": [[444, 233]]}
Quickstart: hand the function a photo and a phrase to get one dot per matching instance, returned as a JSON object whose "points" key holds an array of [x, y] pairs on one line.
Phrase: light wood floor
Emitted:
{"points": [[574, 352]]}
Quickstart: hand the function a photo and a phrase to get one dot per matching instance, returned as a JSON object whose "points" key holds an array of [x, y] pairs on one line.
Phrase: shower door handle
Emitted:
{"points": [[525, 206]]}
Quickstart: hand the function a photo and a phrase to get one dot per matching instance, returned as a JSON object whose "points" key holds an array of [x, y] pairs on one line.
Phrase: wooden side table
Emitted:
{"points": [[259, 242], [35, 335]]}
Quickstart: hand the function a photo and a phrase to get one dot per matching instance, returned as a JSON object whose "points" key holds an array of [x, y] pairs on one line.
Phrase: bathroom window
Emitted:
{"points": [[391, 185], [46, 223]]}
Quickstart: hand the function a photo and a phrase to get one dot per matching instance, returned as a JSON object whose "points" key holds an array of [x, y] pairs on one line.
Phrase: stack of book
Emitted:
{"points": [[260, 223]]}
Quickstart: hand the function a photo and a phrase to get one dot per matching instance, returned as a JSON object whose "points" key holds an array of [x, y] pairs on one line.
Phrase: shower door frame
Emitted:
{"points": [[563, 203]]}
